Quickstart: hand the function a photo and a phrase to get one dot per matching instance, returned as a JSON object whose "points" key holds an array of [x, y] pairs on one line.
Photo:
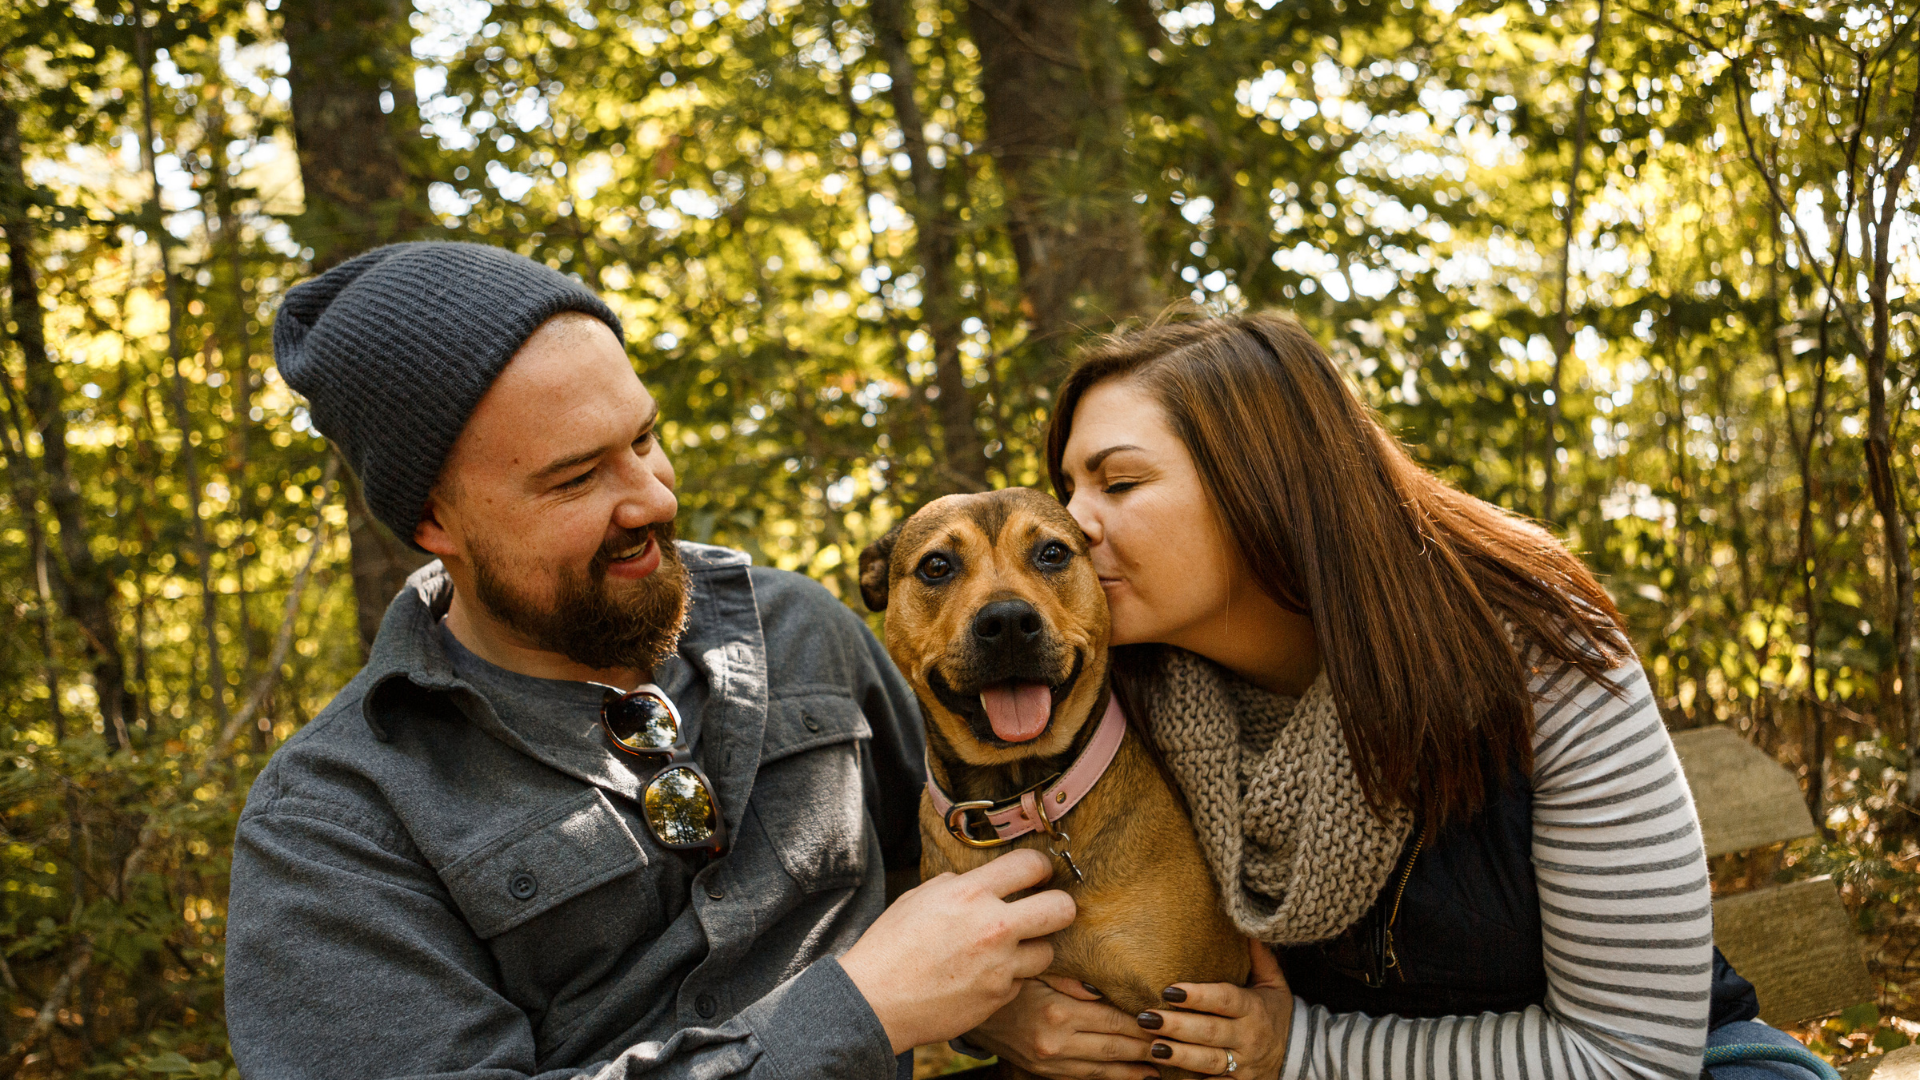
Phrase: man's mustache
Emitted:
{"points": [[661, 532]]}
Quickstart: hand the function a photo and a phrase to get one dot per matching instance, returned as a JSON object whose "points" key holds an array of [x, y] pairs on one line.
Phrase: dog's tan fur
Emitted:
{"points": [[1149, 914]]}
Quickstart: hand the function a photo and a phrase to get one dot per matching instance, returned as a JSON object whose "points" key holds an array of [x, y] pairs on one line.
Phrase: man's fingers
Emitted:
{"points": [[1041, 914], [1021, 868], [1030, 958]]}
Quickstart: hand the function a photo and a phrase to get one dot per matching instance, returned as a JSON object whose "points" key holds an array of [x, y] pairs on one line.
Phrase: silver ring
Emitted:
{"points": [[1232, 1065]]}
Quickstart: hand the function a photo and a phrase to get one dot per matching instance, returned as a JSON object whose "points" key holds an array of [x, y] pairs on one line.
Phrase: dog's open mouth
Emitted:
{"points": [[1018, 711], [1010, 710]]}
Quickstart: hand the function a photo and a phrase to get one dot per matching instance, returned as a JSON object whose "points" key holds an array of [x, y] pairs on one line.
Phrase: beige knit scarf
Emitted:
{"points": [[1297, 852]]}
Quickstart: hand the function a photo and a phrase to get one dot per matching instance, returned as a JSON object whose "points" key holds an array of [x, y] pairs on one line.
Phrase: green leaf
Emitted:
{"points": [[171, 1063], [1861, 1016]]}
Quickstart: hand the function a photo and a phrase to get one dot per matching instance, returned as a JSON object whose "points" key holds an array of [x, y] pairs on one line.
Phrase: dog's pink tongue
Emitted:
{"points": [[1018, 711]]}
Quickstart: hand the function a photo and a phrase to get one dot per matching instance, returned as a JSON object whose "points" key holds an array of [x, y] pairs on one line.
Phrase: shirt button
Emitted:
{"points": [[706, 1006], [812, 724], [522, 885], [715, 891]]}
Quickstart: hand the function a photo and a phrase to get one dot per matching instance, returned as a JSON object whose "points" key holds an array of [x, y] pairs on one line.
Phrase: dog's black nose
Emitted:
{"points": [[1007, 622]]}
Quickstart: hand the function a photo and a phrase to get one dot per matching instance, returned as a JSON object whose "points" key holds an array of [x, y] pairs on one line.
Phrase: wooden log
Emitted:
{"points": [[1745, 798], [1795, 944]]}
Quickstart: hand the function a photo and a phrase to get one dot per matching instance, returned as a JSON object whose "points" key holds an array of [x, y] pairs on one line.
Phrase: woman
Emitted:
{"points": [[1421, 757]]}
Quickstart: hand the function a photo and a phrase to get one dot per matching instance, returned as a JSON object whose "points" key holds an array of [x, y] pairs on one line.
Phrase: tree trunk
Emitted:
{"points": [[1886, 493], [1054, 132], [239, 346], [344, 56], [933, 231], [27, 504], [183, 417], [1563, 318], [86, 585]]}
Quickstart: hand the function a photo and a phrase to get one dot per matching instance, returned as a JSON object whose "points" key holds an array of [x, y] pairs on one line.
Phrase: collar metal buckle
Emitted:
{"points": [[957, 824]]}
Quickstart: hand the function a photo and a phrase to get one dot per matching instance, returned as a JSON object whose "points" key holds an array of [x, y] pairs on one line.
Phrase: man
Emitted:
{"points": [[486, 858]]}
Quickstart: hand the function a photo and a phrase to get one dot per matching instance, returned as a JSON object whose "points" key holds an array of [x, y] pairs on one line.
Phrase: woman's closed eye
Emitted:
{"points": [[1115, 487]]}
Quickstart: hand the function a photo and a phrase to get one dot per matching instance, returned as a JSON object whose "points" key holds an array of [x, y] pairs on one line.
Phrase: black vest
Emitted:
{"points": [[1456, 929]]}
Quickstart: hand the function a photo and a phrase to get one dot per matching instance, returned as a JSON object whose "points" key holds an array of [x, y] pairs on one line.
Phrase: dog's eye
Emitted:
{"points": [[1054, 554], [934, 568]]}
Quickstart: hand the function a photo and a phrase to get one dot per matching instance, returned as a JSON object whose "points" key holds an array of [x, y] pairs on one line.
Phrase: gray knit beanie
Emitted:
{"points": [[394, 348]]}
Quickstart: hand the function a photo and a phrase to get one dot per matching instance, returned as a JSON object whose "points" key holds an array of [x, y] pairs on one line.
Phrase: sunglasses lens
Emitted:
{"points": [[642, 722], [679, 807]]}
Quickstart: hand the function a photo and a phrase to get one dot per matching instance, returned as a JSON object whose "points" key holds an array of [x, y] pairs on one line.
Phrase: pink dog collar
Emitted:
{"points": [[1028, 812]]}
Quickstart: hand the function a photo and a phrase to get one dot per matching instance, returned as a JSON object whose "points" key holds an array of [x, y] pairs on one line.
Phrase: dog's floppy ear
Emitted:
{"points": [[875, 569]]}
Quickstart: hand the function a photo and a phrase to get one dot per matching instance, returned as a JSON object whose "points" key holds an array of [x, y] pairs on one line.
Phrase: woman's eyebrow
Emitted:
{"points": [[1094, 459]]}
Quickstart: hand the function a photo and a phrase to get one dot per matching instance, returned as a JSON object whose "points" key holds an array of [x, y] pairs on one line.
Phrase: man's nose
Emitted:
{"points": [[647, 498]]}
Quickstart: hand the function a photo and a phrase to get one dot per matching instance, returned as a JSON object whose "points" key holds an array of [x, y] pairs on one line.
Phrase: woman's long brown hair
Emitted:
{"points": [[1407, 580]]}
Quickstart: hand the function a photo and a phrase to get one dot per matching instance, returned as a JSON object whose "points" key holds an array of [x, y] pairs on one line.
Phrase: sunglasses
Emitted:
{"points": [[678, 801]]}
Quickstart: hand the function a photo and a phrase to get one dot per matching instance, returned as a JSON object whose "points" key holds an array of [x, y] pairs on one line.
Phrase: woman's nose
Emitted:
{"points": [[1084, 516]]}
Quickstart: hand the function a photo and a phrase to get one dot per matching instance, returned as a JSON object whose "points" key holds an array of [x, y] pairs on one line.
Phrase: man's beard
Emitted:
{"points": [[635, 628]]}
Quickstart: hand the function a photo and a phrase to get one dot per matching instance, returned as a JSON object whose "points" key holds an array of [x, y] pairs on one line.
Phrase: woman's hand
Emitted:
{"points": [[1252, 1021], [1056, 1027]]}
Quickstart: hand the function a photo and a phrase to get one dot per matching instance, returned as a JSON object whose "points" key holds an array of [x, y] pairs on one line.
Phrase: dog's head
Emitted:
{"points": [[997, 619]]}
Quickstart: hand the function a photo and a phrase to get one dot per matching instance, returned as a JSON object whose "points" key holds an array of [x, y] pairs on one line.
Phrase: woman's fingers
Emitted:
{"points": [[1206, 1060], [1073, 988], [1198, 1028], [1266, 967], [1220, 999]]}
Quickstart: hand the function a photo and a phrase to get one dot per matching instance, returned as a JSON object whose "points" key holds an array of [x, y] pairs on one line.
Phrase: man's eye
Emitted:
{"points": [[934, 568], [1054, 554], [643, 442], [578, 481]]}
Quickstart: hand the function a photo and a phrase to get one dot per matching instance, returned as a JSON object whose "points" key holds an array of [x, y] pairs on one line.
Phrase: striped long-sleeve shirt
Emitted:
{"points": [[1624, 907]]}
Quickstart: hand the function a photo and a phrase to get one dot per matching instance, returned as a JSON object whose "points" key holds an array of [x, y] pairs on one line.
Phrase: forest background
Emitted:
{"points": [[1645, 270]]}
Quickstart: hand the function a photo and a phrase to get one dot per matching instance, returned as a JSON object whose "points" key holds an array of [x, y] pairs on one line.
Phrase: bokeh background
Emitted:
{"points": [[1642, 269]]}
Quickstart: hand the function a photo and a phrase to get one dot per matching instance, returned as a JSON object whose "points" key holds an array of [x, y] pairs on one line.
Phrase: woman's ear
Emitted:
{"points": [[876, 570]]}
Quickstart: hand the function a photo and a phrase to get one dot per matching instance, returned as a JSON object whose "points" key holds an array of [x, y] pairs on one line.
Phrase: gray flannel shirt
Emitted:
{"points": [[425, 886]]}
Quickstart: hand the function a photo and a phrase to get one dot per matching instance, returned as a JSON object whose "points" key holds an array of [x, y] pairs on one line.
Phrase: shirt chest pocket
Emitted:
{"points": [[556, 855], [810, 796]]}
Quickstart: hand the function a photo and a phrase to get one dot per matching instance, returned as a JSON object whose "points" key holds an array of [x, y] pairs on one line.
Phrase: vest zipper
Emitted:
{"points": [[1393, 960]]}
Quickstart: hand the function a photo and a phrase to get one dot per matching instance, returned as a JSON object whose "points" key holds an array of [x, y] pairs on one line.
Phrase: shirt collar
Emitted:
{"points": [[722, 645]]}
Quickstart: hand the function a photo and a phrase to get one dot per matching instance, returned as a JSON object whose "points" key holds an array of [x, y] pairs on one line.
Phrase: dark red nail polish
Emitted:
{"points": [[1174, 994], [1162, 1051], [1150, 1020]]}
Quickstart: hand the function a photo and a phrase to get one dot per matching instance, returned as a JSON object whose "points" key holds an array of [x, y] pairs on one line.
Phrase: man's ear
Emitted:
{"points": [[876, 568], [430, 533]]}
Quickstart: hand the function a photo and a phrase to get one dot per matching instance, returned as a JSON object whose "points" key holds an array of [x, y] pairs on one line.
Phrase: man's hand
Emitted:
{"points": [[948, 954]]}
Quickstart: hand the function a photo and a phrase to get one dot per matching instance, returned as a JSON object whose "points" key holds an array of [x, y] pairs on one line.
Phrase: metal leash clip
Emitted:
{"points": [[1057, 838]]}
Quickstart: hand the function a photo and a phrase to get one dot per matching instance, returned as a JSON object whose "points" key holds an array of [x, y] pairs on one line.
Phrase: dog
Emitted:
{"points": [[995, 616]]}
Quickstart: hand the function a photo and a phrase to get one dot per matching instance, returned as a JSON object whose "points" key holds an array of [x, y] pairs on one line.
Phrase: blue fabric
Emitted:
{"points": [[450, 875], [1753, 1031]]}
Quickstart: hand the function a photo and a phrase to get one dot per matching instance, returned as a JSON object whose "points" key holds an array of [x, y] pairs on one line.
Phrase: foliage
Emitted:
{"points": [[732, 176]]}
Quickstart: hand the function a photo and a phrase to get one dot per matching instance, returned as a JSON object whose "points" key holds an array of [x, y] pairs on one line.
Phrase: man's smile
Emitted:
{"points": [[635, 563]]}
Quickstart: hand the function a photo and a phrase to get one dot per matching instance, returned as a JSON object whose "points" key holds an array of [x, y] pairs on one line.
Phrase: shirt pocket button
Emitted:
{"points": [[522, 886], [705, 1006]]}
